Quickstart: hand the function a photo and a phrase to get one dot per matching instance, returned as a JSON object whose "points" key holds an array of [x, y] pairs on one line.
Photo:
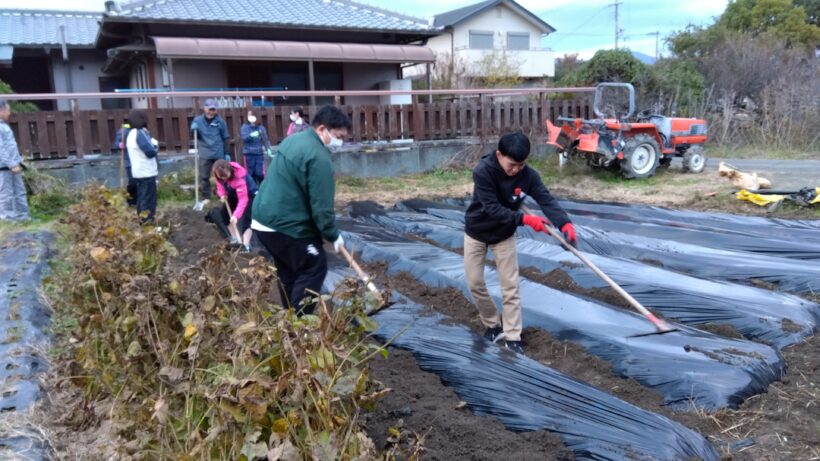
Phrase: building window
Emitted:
{"points": [[481, 40], [328, 77], [109, 85], [518, 41]]}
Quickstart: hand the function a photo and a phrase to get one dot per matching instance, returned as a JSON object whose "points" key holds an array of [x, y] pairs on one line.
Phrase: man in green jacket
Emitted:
{"points": [[294, 208]]}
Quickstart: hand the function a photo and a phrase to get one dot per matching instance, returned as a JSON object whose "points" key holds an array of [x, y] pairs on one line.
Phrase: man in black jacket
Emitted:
{"points": [[500, 181]]}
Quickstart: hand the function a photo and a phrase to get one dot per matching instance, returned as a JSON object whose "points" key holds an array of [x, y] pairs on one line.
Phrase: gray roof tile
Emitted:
{"points": [[453, 16], [337, 14], [42, 27]]}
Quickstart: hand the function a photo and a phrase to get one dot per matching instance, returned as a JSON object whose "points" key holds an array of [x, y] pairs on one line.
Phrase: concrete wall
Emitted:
{"points": [[364, 76], [356, 160], [85, 67]]}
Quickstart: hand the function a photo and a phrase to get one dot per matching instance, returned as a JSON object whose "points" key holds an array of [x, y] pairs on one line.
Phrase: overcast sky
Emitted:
{"points": [[582, 26]]}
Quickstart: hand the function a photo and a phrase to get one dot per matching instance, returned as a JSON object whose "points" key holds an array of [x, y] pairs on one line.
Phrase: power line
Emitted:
{"points": [[568, 34]]}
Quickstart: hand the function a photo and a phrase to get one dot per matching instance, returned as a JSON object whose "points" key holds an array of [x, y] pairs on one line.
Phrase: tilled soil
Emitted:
{"points": [[783, 424], [566, 357], [419, 405]]}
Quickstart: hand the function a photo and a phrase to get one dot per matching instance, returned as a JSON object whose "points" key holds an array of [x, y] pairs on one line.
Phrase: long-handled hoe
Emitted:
{"points": [[198, 206], [381, 298], [232, 228], [661, 326]]}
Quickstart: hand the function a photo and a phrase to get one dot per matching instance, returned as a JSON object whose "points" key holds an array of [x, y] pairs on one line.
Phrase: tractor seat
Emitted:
{"points": [[664, 125]]}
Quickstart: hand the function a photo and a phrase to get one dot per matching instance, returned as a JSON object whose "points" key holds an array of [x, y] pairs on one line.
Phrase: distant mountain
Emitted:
{"points": [[644, 58]]}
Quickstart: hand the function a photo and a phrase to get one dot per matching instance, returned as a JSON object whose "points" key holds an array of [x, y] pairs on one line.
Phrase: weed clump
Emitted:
{"points": [[197, 363], [48, 196]]}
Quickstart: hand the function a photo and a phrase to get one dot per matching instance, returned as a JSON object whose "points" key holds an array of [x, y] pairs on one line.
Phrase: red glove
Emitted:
{"points": [[536, 222], [569, 234]]}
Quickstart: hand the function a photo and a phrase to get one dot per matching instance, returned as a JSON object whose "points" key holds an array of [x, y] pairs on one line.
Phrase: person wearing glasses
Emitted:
{"points": [[212, 137]]}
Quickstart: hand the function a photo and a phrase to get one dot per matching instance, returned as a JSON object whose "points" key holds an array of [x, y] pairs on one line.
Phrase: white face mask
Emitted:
{"points": [[293, 117], [251, 119], [334, 141]]}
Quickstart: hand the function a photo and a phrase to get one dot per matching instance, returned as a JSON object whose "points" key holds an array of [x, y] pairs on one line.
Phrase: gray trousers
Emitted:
{"points": [[13, 203], [205, 166]]}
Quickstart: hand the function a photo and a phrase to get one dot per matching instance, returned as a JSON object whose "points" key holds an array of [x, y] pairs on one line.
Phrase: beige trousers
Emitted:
{"points": [[506, 261]]}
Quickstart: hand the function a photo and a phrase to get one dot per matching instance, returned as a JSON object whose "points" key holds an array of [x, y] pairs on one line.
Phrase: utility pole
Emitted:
{"points": [[617, 25], [657, 35]]}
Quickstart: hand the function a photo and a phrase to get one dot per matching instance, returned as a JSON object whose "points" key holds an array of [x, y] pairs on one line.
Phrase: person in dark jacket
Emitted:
{"points": [[294, 208], [254, 144], [142, 153], [211, 132], [501, 180]]}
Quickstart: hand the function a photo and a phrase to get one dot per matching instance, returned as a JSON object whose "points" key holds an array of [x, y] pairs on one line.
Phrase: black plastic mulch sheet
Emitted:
{"points": [[525, 395], [24, 320], [776, 318], [688, 367], [778, 228], [797, 239], [789, 275]]}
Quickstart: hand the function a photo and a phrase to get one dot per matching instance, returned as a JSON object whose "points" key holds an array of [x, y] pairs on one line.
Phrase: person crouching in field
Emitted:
{"points": [[142, 153], [236, 190], [490, 223]]}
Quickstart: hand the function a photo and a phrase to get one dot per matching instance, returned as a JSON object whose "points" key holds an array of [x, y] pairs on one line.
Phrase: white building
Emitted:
{"points": [[495, 29]]}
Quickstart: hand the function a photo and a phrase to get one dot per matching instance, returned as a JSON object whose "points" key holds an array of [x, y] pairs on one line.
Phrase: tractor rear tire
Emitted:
{"points": [[694, 159], [641, 157]]}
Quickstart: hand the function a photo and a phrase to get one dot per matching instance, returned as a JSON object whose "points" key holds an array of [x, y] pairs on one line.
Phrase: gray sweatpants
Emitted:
{"points": [[205, 166], [13, 203]]}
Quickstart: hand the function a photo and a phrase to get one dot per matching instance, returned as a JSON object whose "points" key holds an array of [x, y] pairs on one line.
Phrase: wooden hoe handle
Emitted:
{"points": [[361, 273], [659, 324]]}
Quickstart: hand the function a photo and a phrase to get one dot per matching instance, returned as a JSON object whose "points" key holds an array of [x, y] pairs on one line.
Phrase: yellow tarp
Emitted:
{"points": [[758, 199], [768, 199]]}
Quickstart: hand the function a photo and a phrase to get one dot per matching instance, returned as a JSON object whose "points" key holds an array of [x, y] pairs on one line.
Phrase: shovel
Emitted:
{"points": [[198, 206], [382, 303], [660, 326], [232, 226]]}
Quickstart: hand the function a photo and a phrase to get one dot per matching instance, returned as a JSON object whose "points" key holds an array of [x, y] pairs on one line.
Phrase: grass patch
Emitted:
{"points": [[441, 181], [762, 153], [176, 187], [48, 196]]}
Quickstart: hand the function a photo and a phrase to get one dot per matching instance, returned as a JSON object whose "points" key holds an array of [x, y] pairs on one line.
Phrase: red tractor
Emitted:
{"points": [[637, 147]]}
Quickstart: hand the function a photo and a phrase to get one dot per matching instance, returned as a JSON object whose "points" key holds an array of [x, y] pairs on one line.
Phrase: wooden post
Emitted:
{"points": [[312, 83], [429, 85], [171, 78], [79, 136]]}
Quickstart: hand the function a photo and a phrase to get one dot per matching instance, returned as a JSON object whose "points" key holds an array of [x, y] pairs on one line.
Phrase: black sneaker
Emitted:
{"points": [[515, 346], [493, 334]]}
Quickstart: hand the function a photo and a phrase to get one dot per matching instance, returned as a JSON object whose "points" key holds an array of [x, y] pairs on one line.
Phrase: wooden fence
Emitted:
{"points": [[58, 134]]}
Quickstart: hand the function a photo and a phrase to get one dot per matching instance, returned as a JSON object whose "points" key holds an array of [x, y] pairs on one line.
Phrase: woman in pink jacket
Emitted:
{"points": [[235, 188], [297, 122]]}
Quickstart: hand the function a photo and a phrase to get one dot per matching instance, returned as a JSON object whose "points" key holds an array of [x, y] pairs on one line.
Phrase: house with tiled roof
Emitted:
{"points": [[471, 36], [45, 51], [241, 44], [272, 44]]}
